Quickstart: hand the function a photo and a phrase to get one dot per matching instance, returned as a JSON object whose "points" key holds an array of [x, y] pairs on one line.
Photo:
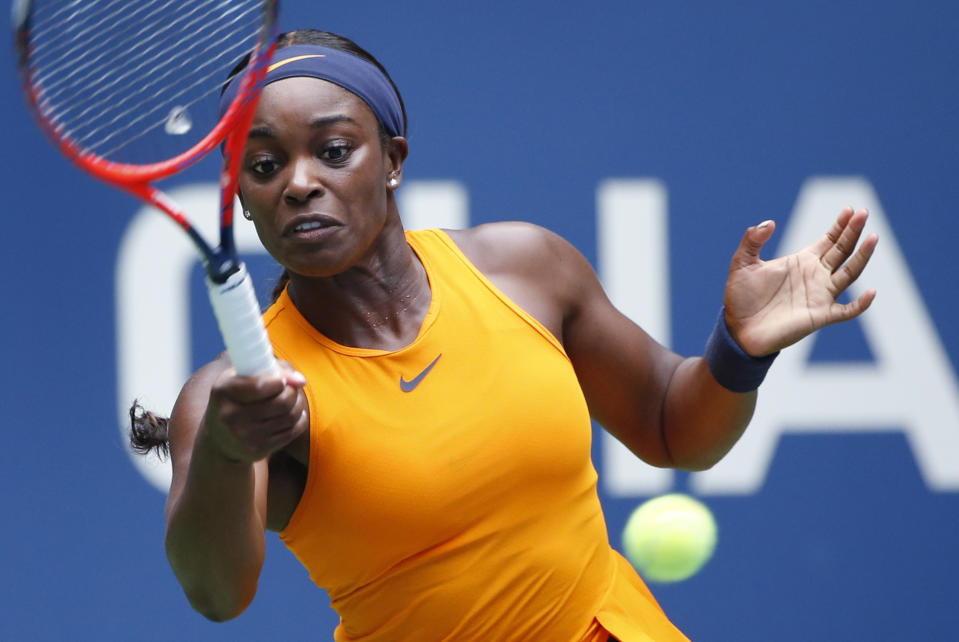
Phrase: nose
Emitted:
{"points": [[304, 182]]}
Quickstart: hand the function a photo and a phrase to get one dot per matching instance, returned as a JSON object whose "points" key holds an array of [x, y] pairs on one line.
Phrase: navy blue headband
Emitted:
{"points": [[350, 72]]}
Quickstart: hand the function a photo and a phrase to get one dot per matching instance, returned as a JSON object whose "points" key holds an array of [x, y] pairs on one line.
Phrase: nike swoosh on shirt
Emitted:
{"points": [[409, 386]]}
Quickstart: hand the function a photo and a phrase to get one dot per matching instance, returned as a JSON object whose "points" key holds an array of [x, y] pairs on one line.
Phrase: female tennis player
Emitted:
{"points": [[425, 450]]}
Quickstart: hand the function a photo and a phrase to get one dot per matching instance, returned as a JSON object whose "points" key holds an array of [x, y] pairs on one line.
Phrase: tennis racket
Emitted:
{"points": [[128, 90]]}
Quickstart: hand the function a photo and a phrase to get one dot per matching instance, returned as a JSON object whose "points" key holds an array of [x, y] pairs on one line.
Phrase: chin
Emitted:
{"points": [[318, 268]]}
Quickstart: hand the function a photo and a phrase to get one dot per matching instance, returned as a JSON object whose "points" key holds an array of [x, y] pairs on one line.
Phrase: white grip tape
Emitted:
{"points": [[241, 324]]}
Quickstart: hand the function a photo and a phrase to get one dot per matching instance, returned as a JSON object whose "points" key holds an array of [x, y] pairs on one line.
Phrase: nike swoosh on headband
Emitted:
{"points": [[280, 63]]}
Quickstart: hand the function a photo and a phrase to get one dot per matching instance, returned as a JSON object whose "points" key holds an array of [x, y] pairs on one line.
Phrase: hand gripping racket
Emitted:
{"points": [[128, 90]]}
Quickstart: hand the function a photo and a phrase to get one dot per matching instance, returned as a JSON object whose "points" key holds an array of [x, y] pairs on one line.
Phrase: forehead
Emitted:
{"points": [[305, 99]]}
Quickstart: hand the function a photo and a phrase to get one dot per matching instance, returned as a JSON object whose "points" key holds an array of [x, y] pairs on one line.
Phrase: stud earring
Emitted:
{"points": [[247, 215], [393, 182]]}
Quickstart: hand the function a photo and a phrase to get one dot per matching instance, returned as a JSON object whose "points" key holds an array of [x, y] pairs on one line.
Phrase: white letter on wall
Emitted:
{"points": [[632, 236]]}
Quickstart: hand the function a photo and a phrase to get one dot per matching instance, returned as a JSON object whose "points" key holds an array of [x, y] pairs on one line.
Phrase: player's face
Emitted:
{"points": [[315, 175]]}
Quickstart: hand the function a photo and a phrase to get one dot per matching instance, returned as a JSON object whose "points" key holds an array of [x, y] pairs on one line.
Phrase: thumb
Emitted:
{"points": [[753, 240], [291, 376]]}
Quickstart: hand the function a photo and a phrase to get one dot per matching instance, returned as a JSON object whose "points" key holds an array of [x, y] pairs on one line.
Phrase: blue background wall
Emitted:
{"points": [[531, 106]]}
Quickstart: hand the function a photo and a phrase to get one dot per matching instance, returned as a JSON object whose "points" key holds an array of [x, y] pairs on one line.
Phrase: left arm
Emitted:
{"points": [[667, 410], [671, 411]]}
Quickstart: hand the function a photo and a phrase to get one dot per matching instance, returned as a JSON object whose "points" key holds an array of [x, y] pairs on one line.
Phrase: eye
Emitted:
{"points": [[336, 152], [263, 166]]}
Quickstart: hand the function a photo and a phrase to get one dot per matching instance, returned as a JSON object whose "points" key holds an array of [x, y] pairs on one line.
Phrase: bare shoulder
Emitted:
{"points": [[518, 248], [198, 386], [538, 269], [189, 409]]}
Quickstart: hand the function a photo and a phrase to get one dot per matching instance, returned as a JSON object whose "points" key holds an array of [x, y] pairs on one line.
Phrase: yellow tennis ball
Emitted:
{"points": [[669, 538]]}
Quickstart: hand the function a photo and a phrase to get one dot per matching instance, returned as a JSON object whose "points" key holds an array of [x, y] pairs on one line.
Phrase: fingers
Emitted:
{"points": [[752, 243], [844, 312], [841, 240], [252, 417], [851, 269], [829, 239], [837, 257], [263, 410], [251, 389]]}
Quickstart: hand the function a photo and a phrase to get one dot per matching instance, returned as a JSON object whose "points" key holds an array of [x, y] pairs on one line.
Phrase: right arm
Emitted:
{"points": [[222, 431]]}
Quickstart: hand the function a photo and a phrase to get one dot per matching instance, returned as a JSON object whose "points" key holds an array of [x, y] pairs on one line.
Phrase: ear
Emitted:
{"points": [[396, 150]]}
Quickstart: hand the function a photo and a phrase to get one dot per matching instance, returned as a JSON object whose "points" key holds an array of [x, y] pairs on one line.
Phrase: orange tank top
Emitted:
{"points": [[450, 492]]}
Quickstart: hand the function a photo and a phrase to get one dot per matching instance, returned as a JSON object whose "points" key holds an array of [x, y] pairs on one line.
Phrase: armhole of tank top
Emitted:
{"points": [[446, 240], [289, 531]]}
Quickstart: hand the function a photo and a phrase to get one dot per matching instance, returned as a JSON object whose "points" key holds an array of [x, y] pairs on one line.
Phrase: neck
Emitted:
{"points": [[379, 303]]}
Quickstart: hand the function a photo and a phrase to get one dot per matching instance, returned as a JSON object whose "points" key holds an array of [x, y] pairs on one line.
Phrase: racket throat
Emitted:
{"points": [[221, 264]]}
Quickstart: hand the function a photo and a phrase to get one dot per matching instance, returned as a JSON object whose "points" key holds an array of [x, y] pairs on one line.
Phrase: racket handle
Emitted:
{"points": [[241, 324]]}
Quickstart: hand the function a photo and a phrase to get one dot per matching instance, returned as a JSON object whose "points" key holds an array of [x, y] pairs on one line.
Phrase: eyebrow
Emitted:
{"points": [[264, 131], [325, 121]]}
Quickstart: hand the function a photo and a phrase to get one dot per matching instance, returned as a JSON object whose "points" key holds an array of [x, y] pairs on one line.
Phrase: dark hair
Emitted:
{"points": [[148, 431]]}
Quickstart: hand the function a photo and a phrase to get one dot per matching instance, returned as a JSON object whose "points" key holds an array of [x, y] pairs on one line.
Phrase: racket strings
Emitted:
{"points": [[115, 94], [86, 57], [211, 82], [108, 73], [131, 46], [135, 61], [84, 20]]}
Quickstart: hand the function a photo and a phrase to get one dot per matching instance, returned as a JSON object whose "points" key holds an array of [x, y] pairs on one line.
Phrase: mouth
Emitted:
{"points": [[309, 225]]}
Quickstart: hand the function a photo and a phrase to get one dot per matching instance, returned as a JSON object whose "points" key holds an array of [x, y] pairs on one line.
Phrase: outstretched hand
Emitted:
{"points": [[774, 304]]}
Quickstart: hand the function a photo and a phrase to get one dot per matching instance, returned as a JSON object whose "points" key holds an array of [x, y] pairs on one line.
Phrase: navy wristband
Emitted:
{"points": [[729, 364]]}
